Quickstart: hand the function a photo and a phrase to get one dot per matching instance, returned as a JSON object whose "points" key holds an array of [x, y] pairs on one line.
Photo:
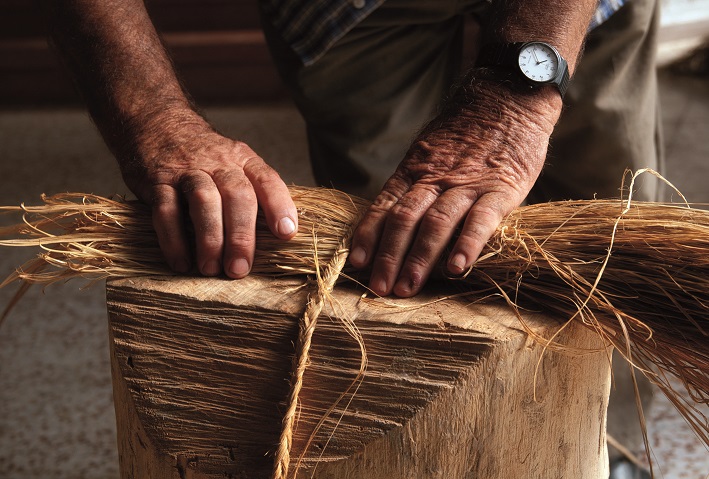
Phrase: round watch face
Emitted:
{"points": [[538, 62]]}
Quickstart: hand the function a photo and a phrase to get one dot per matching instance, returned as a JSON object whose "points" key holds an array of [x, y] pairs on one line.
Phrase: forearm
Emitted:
{"points": [[122, 69]]}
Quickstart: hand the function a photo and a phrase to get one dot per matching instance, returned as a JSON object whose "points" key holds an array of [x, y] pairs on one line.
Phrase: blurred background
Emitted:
{"points": [[56, 410]]}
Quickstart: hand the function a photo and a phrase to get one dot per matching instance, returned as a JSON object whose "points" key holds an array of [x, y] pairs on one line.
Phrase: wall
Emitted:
{"points": [[217, 46]]}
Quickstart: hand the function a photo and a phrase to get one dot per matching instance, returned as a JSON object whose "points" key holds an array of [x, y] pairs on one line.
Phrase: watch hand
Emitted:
{"points": [[534, 52]]}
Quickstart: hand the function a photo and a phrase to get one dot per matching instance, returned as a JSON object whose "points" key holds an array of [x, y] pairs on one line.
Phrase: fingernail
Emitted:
{"points": [[358, 256], [181, 266], [286, 226], [211, 268], [379, 286], [457, 263], [403, 287], [239, 267], [409, 285]]}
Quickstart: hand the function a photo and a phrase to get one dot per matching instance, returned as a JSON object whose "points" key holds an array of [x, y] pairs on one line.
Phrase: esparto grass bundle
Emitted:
{"points": [[635, 272], [637, 275]]}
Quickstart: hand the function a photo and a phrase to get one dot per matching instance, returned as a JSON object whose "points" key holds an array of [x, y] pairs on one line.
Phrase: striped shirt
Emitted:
{"points": [[311, 27], [605, 9]]}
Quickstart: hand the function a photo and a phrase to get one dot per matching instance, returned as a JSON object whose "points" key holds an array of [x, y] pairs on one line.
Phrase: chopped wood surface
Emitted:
{"points": [[201, 369]]}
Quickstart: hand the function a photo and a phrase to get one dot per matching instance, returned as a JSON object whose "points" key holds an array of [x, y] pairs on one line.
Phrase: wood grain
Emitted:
{"points": [[201, 370]]}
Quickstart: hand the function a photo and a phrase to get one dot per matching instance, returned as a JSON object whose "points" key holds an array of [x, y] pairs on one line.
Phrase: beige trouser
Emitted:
{"points": [[365, 100], [611, 116]]}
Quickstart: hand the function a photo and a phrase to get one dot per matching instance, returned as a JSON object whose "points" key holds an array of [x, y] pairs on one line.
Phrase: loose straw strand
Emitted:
{"points": [[325, 283]]}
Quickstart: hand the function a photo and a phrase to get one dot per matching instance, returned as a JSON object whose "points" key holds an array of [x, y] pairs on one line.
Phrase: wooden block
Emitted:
{"points": [[201, 369]]}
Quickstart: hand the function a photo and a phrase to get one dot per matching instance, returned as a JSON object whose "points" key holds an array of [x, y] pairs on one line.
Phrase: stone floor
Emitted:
{"points": [[56, 411]]}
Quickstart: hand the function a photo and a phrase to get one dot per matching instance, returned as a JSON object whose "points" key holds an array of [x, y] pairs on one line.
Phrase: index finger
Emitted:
{"points": [[365, 239], [273, 197], [480, 224], [169, 227]]}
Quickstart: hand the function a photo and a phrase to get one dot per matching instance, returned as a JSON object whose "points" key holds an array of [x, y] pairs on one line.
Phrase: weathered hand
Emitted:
{"points": [[221, 182], [472, 165]]}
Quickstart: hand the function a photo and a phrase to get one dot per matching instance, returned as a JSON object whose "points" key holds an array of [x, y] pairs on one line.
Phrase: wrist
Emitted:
{"points": [[484, 90], [497, 125], [156, 131], [533, 65]]}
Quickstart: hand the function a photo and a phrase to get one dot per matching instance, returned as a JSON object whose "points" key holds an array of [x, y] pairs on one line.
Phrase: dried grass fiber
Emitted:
{"points": [[635, 272]]}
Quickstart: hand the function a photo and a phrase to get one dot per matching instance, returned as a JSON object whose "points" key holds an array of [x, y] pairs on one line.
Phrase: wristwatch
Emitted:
{"points": [[535, 64]]}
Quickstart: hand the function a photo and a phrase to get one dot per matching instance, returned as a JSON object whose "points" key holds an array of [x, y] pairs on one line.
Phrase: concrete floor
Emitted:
{"points": [[56, 411]]}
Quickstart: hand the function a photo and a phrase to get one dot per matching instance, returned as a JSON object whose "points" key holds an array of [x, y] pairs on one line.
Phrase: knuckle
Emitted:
{"points": [[427, 247], [438, 217], [385, 199], [259, 172], [419, 260], [483, 223], [209, 237], [242, 150], [164, 210], [208, 229], [490, 212], [159, 198], [239, 192], [163, 198], [229, 176], [208, 196], [196, 182], [375, 212], [403, 215], [200, 189], [240, 240], [369, 226], [474, 233], [387, 259]]}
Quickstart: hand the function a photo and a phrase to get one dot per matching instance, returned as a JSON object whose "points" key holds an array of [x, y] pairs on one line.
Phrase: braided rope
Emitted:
{"points": [[326, 279]]}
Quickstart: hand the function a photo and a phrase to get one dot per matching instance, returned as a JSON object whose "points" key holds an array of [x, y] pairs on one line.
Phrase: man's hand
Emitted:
{"points": [[474, 163], [170, 157], [470, 166], [220, 183]]}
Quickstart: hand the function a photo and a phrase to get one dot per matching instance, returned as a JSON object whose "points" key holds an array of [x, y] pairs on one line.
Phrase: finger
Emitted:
{"points": [[205, 208], [240, 207], [480, 224], [365, 239], [169, 227], [435, 232], [274, 198], [399, 232]]}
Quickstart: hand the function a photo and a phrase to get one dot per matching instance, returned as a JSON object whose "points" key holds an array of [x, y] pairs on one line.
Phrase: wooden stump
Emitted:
{"points": [[201, 369]]}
